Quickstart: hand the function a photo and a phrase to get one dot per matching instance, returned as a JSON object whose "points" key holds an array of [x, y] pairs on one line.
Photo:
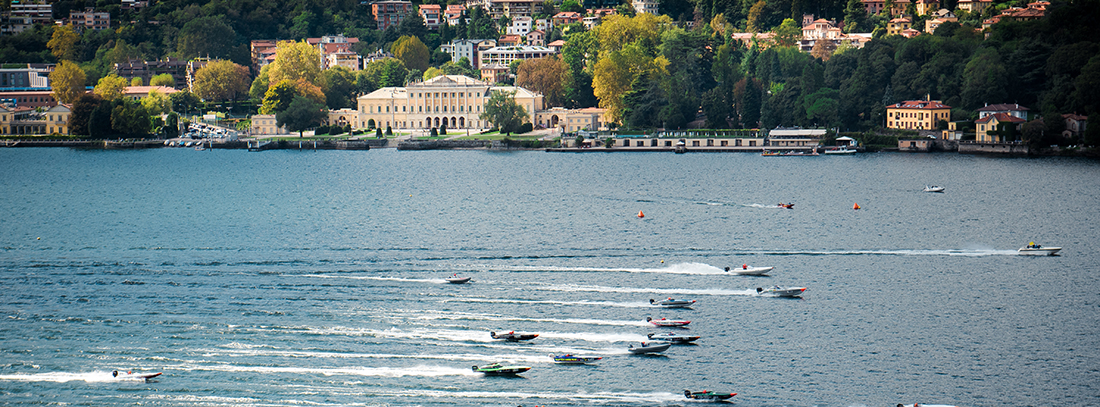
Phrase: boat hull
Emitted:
{"points": [[462, 280], [781, 292], [673, 338], [1042, 251], [708, 395], [513, 337], [640, 350], [501, 370], [574, 360], [751, 271]]}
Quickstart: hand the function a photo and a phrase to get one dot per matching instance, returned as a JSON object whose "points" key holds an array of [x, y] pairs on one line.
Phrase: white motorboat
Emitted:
{"points": [[649, 347], [455, 279], [933, 188], [672, 303], [777, 291], [1033, 249], [745, 270], [513, 336], [840, 150], [666, 322], [674, 337]]}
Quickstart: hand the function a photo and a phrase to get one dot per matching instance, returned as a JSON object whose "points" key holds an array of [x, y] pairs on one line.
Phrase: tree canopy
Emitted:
{"points": [[301, 114]]}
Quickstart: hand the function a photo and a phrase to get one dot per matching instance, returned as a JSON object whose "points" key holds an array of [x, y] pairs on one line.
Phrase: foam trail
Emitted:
{"points": [[584, 303], [62, 377], [642, 398], [631, 290], [398, 279], [340, 355], [425, 371]]}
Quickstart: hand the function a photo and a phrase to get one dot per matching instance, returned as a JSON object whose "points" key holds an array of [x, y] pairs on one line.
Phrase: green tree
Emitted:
{"points": [[340, 83], [278, 97], [63, 43], [260, 84], [82, 114], [156, 103], [412, 52], [137, 81], [110, 87], [503, 112], [387, 72], [572, 5], [1086, 94], [207, 37], [129, 117], [985, 76], [220, 81], [163, 79], [787, 34], [294, 61], [301, 114], [184, 101], [67, 82], [855, 17]]}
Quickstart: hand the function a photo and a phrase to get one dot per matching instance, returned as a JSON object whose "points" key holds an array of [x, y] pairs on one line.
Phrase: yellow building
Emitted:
{"points": [[452, 99], [917, 114], [897, 25], [571, 120], [28, 121], [991, 122]]}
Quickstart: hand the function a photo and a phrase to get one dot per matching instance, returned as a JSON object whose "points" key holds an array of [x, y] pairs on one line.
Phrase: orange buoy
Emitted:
{"points": [[640, 214], [855, 206]]}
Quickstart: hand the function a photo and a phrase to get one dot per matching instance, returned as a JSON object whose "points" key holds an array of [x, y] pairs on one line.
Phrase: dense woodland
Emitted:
{"points": [[649, 71]]}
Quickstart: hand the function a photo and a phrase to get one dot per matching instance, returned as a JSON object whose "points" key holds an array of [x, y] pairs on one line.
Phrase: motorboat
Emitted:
{"points": [[455, 279], [925, 405], [840, 150], [130, 375], [933, 188], [568, 359], [500, 369], [777, 291], [1038, 250], [675, 338], [745, 270], [790, 153], [786, 205], [512, 336], [649, 347], [707, 395], [672, 303], [666, 322]]}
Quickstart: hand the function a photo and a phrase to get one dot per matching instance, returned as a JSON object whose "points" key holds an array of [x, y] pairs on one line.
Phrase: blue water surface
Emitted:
{"points": [[289, 278]]}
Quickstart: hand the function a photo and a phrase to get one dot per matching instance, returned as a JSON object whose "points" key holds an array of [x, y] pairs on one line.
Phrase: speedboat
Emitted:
{"points": [[666, 322], [649, 347], [513, 336], [707, 395], [130, 375], [925, 405], [568, 359], [932, 188], [672, 303], [786, 205], [745, 270], [777, 291], [500, 369], [1038, 250], [455, 279], [673, 337]]}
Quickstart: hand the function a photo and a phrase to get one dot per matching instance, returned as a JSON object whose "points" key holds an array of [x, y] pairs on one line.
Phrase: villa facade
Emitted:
{"points": [[454, 100]]}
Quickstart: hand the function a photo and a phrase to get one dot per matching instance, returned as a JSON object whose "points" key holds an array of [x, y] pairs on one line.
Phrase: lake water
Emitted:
{"points": [[289, 278]]}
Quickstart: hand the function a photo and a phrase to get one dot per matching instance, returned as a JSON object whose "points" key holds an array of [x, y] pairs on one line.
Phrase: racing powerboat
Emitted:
{"points": [[649, 347], [745, 270], [785, 205], [568, 359], [666, 322], [512, 336], [1038, 250], [130, 375], [672, 303], [933, 188], [777, 291], [455, 279], [675, 338], [500, 369], [707, 395]]}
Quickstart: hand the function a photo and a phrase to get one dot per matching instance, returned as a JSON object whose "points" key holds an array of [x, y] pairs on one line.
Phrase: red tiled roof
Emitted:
{"points": [[1002, 118], [1004, 107], [919, 104]]}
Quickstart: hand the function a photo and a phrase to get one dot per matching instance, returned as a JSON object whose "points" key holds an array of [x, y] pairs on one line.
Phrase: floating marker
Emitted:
{"points": [[640, 214], [855, 206]]}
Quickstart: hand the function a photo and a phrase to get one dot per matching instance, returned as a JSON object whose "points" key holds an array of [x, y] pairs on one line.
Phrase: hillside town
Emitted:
{"points": [[923, 75]]}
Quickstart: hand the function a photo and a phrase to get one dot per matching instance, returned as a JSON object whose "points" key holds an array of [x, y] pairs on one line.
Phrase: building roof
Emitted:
{"points": [[1004, 107], [919, 104], [1075, 116], [1001, 118]]}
